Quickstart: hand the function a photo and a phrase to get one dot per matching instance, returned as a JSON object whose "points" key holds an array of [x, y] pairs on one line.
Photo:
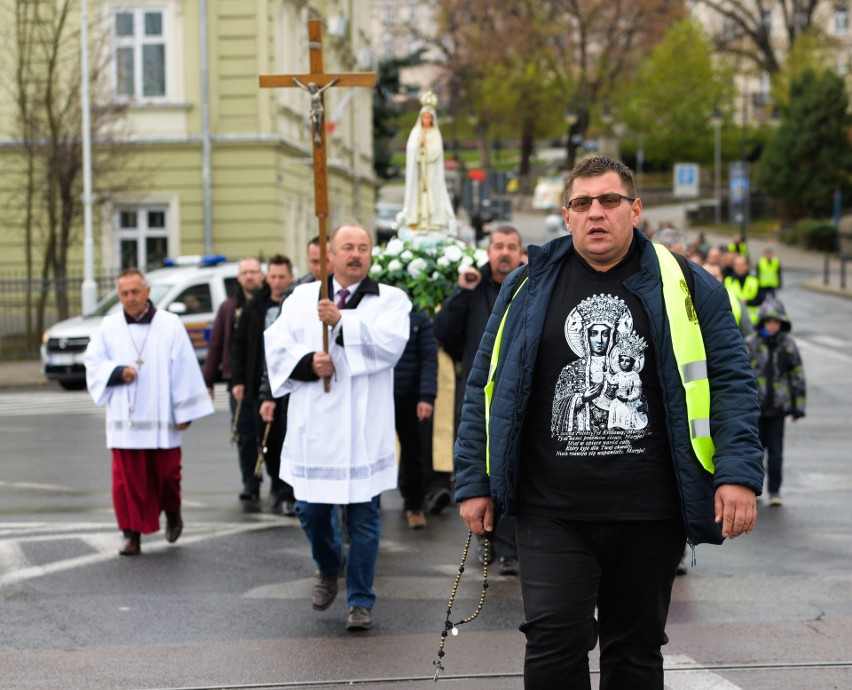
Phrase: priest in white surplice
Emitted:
{"points": [[141, 365], [340, 446]]}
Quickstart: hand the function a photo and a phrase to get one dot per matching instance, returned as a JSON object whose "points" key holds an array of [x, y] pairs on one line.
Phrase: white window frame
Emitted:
{"points": [[137, 42], [764, 89], [841, 19], [389, 47], [141, 233]]}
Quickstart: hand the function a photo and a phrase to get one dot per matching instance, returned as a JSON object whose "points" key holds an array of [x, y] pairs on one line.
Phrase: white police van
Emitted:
{"points": [[191, 287]]}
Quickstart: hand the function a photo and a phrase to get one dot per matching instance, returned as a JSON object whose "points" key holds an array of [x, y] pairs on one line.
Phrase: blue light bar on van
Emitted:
{"points": [[196, 260]]}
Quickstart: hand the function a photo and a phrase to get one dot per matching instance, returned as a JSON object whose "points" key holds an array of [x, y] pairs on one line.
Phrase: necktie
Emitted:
{"points": [[341, 298]]}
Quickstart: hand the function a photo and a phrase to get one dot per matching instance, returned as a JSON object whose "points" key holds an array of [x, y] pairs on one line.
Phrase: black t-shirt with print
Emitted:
{"points": [[595, 445]]}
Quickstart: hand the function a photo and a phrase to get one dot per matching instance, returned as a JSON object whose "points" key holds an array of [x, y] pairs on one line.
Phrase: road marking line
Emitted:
{"points": [[32, 572], [688, 679], [101, 543], [56, 488], [12, 557]]}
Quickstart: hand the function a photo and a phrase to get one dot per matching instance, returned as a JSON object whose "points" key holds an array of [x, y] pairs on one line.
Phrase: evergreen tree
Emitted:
{"points": [[385, 111], [810, 155]]}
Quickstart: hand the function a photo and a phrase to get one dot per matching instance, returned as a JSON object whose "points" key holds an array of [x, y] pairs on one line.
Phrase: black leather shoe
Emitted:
{"points": [[132, 546], [174, 527], [509, 566], [438, 500]]}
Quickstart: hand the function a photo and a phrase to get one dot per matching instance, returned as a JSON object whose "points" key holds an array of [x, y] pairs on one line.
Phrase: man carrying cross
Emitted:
{"points": [[340, 447], [141, 365]]}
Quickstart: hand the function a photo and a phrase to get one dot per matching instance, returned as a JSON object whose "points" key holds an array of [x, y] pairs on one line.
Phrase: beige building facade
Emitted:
{"points": [[225, 169], [402, 27], [830, 18]]}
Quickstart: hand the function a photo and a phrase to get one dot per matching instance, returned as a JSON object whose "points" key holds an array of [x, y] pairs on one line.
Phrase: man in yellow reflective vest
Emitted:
{"points": [[622, 422], [744, 286], [769, 272], [738, 307], [738, 246]]}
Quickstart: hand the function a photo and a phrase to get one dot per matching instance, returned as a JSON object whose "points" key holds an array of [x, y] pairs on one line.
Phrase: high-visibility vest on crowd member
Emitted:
{"points": [[746, 290], [769, 272], [736, 306], [688, 346], [738, 248]]}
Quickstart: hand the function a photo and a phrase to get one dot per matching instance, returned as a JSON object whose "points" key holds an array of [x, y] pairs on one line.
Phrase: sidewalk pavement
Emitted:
{"points": [[22, 374], [16, 374]]}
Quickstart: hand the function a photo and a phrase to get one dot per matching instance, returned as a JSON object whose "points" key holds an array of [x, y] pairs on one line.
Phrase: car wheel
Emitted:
{"points": [[73, 385]]}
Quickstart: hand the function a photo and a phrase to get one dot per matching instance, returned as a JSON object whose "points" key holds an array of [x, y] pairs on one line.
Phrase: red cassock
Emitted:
{"points": [[145, 483]]}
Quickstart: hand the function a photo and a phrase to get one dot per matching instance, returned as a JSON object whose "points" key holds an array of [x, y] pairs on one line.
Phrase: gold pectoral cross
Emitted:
{"points": [[139, 362]]}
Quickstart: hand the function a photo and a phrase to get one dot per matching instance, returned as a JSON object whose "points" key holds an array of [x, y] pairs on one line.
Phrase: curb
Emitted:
{"points": [[816, 285]]}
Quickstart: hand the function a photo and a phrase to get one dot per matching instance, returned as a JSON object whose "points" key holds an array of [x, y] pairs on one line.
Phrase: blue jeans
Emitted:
{"points": [[626, 569], [363, 523]]}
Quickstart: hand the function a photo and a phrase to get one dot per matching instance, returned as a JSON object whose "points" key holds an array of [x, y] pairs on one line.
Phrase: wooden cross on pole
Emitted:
{"points": [[316, 83]]}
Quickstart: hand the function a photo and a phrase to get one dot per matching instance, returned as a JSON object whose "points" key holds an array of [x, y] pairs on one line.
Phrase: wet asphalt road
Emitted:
{"points": [[228, 605]]}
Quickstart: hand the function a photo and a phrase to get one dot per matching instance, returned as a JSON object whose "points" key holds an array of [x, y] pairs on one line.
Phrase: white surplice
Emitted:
{"points": [[340, 446], [169, 387]]}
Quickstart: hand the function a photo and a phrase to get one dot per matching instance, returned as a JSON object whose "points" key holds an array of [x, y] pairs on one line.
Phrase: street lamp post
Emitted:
{"points": [[89, 288], [570, 120], [608, 143], [716, 120], [744, 212]]}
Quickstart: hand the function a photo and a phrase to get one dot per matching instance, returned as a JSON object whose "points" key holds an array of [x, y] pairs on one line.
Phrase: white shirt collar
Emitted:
{"points": [[338, 287]]}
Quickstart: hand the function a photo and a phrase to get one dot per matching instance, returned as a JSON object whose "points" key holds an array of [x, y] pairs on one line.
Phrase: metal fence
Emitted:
{"points": [[28, 307]]}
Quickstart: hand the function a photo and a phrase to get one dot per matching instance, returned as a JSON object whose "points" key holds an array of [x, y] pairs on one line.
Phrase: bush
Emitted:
{"points": [[817, 234], [788, 233]]}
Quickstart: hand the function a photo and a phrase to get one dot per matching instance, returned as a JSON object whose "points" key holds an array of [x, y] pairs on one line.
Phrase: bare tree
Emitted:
{"points": [[600, 44], [745, 31], [552, 56], [46, 93]]}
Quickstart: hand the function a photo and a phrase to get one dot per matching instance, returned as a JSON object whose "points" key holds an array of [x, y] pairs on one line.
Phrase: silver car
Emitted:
{"points": [[386, 222]]}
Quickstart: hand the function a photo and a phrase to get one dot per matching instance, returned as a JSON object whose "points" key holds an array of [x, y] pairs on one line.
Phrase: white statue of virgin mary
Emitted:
{"points": [[427, 204]]}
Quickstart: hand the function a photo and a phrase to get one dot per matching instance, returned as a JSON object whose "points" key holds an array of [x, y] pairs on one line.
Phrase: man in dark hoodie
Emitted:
{"points": [[217, 367], [247, 367], [781, 385], [415, 385]]}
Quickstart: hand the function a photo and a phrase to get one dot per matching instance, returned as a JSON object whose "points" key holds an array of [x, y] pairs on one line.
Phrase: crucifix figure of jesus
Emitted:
{"points": [[316, 83], [317, 109]]}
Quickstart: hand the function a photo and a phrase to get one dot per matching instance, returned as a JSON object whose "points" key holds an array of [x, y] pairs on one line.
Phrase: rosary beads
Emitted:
{"points": [[449, 626]]}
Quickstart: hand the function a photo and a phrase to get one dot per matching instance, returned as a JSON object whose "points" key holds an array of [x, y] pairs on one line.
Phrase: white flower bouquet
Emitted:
{"points": [[427, 273]]}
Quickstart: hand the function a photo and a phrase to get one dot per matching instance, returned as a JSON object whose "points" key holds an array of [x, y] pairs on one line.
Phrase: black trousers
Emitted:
{"points": [[502, 539], [568, 568], [415, 444], [771, 431], [246, 428]]}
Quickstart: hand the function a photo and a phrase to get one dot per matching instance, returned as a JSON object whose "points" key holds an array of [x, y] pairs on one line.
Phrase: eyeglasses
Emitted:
{"points": [[584, 203]]}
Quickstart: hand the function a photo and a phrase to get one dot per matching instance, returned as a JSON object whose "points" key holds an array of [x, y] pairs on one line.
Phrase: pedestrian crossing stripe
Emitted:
{"points": [[49, 402]]}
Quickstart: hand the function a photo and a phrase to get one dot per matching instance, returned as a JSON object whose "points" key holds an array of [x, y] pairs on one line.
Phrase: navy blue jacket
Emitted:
{"points": [[734, 410], [415, 376]]}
